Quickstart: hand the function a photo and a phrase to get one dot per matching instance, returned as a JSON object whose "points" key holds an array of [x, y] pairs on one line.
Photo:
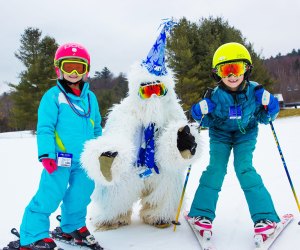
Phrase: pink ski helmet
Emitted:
{"points": [[71, 50]]}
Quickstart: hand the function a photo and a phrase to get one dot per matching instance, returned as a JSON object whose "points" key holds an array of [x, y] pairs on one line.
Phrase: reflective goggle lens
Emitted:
{"points": [[70, 67], [227, 69], [147, 91]]}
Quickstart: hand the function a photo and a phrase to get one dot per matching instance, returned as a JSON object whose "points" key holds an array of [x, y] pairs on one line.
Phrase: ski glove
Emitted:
{"points": [[106, 160], [203, 107], [49, 164], [266, 99], [186, 142]]}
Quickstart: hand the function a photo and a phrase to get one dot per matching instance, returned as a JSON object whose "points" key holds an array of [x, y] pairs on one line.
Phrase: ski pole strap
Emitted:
{"points": [[85, 114], [208, 93]]}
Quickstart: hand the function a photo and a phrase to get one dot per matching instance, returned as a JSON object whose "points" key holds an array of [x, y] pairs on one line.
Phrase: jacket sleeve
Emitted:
{"points": [[47, 119]]}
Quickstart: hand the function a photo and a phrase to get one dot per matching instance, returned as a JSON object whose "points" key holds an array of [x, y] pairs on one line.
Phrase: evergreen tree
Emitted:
{"points": [[5, 111], [106, 74], [37, 55], [109, 90], [296, 65], [190, 51], [97, 75], [108, 97]]}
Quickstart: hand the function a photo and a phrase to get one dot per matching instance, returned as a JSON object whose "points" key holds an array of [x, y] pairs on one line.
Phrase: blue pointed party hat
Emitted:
{"points": [[155, 61]]}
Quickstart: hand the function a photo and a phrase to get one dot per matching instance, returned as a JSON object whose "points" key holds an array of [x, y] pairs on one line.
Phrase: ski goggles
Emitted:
{"points": [[156, 88], [228, 69], [70, 67]]}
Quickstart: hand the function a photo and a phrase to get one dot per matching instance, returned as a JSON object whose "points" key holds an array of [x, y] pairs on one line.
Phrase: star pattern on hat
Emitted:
{"points": [[155, 61]]}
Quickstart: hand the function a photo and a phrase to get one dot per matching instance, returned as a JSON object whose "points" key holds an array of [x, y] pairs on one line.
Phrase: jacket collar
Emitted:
{"points": [[63, 86]]}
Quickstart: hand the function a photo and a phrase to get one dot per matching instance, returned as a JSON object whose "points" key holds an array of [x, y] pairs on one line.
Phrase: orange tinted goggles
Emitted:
{"points": [[228, 69], [70, 67], [147, 91]]}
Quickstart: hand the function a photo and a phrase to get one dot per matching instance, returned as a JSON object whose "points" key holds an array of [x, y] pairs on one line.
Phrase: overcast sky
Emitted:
{"points": [[119, 32]]}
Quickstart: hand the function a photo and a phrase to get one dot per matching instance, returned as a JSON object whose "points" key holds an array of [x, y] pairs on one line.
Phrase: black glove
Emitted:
{"points": [[185, 140]]}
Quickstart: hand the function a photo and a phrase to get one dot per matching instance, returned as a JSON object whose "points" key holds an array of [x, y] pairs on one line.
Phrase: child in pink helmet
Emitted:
{"points": [[68, 116]]}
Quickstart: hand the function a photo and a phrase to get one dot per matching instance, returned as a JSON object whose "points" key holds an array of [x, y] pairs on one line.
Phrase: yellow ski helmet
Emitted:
{"points": [[231, 52]]}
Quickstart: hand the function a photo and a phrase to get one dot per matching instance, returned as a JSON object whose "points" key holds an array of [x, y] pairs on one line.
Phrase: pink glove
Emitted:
{"points": [[49, 164]]}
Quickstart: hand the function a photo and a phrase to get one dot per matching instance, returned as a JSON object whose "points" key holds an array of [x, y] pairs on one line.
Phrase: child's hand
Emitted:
{"points": [[49, 164], [266, 99], [205, 106]]}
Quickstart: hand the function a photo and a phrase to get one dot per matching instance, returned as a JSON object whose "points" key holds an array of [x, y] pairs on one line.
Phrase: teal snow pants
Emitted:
{"points": [[72, 187], [258, 198]]}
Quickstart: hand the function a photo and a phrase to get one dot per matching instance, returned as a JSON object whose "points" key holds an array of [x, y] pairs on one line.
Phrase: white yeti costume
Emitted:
{"points": [[160, 193]]}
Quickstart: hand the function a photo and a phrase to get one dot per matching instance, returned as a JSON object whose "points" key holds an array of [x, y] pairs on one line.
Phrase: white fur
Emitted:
{"points": [[94, 148], [123, 131]]}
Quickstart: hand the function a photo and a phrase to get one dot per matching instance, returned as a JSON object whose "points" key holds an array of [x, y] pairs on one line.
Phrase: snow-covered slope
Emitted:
{"points": [[233, 229]]}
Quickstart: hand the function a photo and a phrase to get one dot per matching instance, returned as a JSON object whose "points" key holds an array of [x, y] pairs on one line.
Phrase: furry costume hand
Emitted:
{"points": [[186, 142], [49, 164], [106, 160]]}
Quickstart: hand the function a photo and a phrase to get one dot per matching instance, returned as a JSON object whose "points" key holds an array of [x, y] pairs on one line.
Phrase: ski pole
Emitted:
{"points": [[284, 164], [176, 222]]}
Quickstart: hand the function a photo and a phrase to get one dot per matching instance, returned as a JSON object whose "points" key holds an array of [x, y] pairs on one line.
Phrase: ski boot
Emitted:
{"points": [[80, 237], [43, 244], [263, 229], [204, 226]]}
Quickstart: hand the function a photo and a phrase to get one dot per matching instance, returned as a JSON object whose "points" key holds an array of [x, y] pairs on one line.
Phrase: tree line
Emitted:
{"points": [[190, 50]]}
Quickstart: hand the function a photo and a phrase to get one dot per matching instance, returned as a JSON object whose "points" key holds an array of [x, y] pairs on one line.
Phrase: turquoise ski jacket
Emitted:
{"points": [[66, 122], [251, 113]]}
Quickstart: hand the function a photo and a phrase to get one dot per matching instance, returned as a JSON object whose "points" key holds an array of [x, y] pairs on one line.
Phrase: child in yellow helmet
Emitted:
{"points": [[232, 114]]}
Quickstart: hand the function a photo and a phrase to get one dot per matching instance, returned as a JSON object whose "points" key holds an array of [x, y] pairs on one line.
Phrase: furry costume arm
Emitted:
{"points": [[167, 153], [117, 138], [121, 163]]}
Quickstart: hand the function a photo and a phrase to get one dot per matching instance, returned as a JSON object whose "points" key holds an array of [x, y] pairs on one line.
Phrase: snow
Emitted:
{"points": [[233, 228]]}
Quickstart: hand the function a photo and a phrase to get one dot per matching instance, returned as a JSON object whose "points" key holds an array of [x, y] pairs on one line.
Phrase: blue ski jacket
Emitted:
{"points": [[250, 112], [66, 122]]}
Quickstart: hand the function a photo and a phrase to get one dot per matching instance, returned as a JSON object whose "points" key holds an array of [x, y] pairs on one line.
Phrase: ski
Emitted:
{"points": [[204, 242], [265, 245], [15, 245]]}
